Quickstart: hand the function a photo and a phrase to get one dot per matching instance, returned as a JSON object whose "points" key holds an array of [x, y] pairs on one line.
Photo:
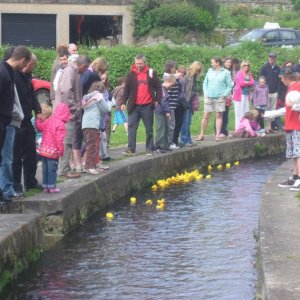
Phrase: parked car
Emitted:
{"points": [[271, 37], [42, 90]]}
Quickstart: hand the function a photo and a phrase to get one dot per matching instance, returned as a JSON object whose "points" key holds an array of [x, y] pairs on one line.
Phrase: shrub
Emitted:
{"points": [[240, 10], [204, 20], [296, 4], [210, 5], [177, 15], [142, 19]]}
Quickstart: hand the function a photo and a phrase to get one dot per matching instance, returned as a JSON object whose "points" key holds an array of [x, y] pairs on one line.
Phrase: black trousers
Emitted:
{"points": [[25, 158]]}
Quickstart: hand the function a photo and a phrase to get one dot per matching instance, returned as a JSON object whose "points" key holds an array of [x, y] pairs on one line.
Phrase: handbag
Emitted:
{"points": [[184, 104]]}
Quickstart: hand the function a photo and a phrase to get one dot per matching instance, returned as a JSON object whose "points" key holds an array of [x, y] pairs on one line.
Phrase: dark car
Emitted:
{"points": [[271, 37], [42, 90]]}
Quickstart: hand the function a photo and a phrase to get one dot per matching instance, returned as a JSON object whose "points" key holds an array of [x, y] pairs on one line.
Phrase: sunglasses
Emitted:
{"points": [[246, 65]]}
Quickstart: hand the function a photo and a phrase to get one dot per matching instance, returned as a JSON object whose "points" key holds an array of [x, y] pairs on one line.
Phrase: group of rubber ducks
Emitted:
{"points": [[182, 178]]}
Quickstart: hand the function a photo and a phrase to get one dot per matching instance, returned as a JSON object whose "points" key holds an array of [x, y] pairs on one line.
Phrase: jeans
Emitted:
{"points": [[6, 172], [103, 145], [144, 112], [186, 124], [49, 168], [179, 111]]}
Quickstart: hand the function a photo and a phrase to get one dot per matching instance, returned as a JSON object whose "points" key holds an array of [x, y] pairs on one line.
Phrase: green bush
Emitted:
{"points": [[240, 10], [296, 4], [209, 5], [177, 15], [204, 20], [121, 58], [142, 18]]}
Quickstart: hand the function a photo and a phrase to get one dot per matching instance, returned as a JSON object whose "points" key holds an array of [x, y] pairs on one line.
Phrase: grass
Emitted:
{"points": [[120, 138]]}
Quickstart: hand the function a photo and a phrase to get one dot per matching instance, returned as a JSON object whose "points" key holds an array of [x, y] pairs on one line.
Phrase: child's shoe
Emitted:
{"points": [[54, 190], [46, 190]]}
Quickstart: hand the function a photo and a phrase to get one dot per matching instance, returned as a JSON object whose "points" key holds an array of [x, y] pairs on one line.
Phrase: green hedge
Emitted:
{"points": [[120, 58]]}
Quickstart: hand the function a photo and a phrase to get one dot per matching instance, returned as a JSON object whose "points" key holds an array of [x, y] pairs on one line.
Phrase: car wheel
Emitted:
{"points": [[43, 96]]}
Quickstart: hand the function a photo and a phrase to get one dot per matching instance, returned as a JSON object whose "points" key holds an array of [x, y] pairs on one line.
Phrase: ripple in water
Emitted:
{"points": [[201, 246]]}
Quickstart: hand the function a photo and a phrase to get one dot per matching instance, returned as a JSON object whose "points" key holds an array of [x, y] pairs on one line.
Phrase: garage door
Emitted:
{"points": [[29, 29]]}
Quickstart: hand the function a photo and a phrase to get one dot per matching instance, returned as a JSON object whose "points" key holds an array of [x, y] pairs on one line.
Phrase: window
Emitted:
{"points": [[288, 35], [271, 36]]}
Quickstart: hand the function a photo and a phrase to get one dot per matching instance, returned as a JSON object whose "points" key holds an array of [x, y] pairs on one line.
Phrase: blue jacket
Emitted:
{"points": [[163, 107]]}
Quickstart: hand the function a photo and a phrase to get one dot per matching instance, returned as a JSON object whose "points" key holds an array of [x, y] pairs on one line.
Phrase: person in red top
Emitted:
{"points": [[292, 128], [142, 90], [52, 145]]}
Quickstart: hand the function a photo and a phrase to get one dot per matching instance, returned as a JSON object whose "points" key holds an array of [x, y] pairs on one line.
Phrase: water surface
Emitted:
{"points": [[202, 246]]}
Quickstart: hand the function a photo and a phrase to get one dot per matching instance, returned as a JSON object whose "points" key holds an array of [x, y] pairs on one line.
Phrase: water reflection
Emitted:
{"points": [[200, 247]]}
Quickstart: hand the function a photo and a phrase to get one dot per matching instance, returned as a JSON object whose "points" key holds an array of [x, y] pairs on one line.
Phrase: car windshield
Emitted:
{"points": [[253, 35]]}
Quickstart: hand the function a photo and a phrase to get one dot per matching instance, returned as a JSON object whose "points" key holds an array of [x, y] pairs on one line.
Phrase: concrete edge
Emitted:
{"points": [[279, 239]]}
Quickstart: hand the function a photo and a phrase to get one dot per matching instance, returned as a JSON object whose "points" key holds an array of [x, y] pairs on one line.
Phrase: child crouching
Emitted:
{"points": [[248, 126], [52, 145]]}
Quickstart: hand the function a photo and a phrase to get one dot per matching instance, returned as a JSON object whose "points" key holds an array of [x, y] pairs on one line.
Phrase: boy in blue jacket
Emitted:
{"points": [[162, 115]]}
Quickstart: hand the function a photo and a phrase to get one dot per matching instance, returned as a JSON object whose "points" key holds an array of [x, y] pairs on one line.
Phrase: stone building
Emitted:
{"points": [[47, 23]]}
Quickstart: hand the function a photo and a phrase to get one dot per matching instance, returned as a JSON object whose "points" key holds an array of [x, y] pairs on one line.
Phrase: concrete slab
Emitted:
{"points": [[280, 238]]}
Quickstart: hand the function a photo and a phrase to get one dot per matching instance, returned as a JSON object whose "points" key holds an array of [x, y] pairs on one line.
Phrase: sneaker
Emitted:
{"points": [[149, 153], [92, 171], [103, 167], [296, 186], [54, 190], [159, 151], [46, 190], [128, 152], [288, 183], [174, 146]]}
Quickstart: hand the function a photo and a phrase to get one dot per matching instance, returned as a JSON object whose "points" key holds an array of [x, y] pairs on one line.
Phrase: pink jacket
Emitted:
{"points": [[240, 83], [54, 132], [244, 125]]}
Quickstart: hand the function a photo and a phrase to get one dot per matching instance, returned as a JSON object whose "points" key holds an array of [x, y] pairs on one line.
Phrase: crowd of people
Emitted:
{"points": [[74, 130]]}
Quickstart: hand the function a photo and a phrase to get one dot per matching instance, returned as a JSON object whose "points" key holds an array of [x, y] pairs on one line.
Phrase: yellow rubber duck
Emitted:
{"points": [[219, 167], [154, 188], [208, 176], [161, 201], [160, 206], [236, 163], [228, 165], [149, 202], [132, 200], [209, 168], [109, 215]]}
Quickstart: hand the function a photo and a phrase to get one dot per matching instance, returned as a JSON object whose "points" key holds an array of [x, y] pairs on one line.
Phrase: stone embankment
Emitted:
{"points": [[60, 213]]}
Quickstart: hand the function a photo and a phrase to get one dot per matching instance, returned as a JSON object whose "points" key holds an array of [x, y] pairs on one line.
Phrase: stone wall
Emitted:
{"points": [[256, 2]]}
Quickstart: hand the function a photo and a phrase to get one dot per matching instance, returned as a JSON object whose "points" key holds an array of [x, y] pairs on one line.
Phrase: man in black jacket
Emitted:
{"points": [[17, 61], [24, 145], [271, 71]]}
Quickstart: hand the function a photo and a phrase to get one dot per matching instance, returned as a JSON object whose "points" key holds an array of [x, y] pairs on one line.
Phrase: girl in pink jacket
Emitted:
{"points": [[52, 145], [244, 82], [248, 126]]}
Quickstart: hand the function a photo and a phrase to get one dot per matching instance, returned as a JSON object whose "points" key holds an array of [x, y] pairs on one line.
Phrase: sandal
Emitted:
{"points": [[199, 139], [218, 139]]}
